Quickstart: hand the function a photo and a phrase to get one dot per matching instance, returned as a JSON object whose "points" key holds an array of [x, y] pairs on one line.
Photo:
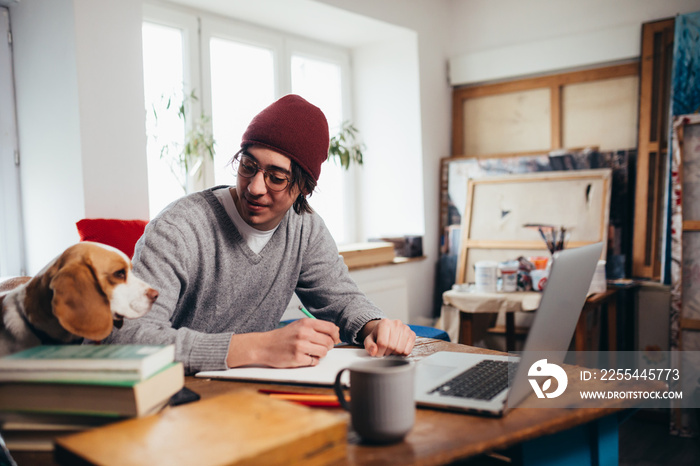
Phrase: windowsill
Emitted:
{"points": [[396, 261]]}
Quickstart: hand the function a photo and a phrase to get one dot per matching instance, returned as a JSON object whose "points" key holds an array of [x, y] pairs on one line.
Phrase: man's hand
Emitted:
{"points": [[384, 337], [301, 343]]}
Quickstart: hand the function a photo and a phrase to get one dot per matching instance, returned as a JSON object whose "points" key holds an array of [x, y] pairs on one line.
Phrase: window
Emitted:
{"points": [[244, 69], [320, 81], [242, 83], [12, 261], [163, 78]]}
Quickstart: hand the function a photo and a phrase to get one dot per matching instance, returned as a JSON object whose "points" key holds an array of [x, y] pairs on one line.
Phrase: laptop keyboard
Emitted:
{"points": [[481, 382]]}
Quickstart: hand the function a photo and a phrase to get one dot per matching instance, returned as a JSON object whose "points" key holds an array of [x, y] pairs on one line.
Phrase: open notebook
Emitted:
{"points": [[322, 374]]}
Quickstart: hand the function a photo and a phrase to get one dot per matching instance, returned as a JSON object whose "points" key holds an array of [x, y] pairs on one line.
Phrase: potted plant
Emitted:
{"points": [[185, 159], [345, 147]]}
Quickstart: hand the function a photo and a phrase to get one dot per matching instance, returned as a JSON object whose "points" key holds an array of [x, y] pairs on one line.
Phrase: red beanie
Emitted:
{"points": [[295, 128]]}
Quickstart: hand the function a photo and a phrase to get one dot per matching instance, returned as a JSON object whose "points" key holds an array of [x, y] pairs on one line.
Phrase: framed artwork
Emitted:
{"points": [[456, 172], [498, 208]]}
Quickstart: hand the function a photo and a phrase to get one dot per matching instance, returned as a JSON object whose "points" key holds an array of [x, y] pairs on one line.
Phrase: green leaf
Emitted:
{"points": [[345, 147], [199, 142]]}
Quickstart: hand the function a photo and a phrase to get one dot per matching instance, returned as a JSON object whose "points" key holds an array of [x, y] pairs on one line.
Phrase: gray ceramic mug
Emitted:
{"points": [[381, 406]]}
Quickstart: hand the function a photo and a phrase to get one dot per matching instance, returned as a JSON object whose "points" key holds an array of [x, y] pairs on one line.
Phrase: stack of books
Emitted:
{"points": [[48, 391]]}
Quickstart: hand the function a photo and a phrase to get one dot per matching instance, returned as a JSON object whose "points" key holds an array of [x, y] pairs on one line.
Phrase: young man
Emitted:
{"points": [[226, 261]]}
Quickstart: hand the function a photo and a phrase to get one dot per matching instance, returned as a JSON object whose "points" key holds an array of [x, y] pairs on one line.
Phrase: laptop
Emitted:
{"points": [[441, 375]]}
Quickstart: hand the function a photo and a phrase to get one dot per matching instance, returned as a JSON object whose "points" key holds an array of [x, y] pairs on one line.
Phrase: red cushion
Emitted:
{"points": [[121, 234]]}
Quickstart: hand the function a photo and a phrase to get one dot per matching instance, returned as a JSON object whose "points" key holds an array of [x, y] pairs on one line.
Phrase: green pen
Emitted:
{"points": [[306, 313]]}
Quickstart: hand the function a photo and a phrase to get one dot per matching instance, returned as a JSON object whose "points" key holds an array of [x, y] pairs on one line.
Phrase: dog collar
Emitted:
{"points": [[43, 337]]}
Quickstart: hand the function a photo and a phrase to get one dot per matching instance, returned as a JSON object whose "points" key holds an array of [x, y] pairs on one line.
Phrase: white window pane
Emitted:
{"points": [[242, 84], [12, 260], [319, 82], [329, 202], [163, 80]]}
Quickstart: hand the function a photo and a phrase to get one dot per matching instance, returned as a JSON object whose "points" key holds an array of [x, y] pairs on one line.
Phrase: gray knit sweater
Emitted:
{"points": [[213, 285]]}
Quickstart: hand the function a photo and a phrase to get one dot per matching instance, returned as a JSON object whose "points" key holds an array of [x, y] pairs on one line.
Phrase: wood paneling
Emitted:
{"points": [[652, 155], [554, 83]]}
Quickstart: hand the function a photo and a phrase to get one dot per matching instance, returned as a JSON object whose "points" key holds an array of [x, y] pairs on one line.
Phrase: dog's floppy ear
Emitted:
{"points": [[78, 304]]}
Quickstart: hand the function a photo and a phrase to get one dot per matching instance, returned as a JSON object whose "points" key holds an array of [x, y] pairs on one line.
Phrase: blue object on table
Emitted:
{"points": [[420, 331], [430, 332]]}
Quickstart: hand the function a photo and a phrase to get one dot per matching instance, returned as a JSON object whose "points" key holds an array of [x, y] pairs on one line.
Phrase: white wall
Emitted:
{"points": [[509, 38], [48, 120], [387, 110], [80, 117], [112, 115], [427, 19]]}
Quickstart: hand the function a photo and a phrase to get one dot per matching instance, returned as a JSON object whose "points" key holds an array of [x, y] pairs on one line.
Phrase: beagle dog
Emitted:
{"points": [[82, 293]]}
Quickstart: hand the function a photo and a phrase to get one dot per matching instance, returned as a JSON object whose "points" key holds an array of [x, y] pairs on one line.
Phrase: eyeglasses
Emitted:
{"points": [[275, 179]]}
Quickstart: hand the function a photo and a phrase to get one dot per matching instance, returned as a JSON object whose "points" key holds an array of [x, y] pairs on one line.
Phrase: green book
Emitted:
{"points": [[127, 399], [86, 363]]}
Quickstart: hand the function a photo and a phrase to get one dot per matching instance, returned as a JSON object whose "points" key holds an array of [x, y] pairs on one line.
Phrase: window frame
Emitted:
{"points": [[12, 242], [331, 54], [199, 27], [189, 25]]}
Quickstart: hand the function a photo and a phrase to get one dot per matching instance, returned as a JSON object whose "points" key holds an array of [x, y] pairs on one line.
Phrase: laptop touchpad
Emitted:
{"points": [[429, 374]]}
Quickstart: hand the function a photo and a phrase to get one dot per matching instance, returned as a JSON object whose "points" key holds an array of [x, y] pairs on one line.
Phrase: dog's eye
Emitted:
{"points": [[120, 274]]}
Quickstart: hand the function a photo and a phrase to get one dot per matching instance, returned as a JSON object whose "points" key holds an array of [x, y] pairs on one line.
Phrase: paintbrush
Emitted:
{"points": [[549, 242]]}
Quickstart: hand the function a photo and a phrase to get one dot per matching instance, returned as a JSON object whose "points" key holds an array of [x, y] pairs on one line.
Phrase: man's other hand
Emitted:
{"points": [[385, 337]]}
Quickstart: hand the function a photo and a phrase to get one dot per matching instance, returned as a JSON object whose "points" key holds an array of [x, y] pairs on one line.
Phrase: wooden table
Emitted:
{"points": [[587, 328], [531, 435], [583, 337], [468, 304]]}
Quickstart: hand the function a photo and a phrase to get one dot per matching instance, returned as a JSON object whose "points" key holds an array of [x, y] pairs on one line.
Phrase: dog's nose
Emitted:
{"points": [[152, 294]]}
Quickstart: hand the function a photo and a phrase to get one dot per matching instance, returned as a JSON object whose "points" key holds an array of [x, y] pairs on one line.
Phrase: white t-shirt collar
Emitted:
{"points": [[254, 238]]}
